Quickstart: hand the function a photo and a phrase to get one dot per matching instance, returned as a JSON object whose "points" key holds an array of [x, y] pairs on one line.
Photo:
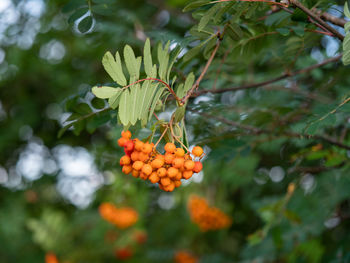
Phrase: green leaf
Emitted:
{"points": [[114, 68], [346, 50], [299, 16], [77, 14], [184, 134], [188, 83], [105, 92], [163, 59], [133, 103], [347, 27], [131, 62], [234, 32], [85, 24], [147, 58], [82, 108], [114, 100], [283, 31], [195, 4], [222, 11], [155, 101], [346, 9], [192, 52], [124, 108], [179, 114], [72, 5], [206, 17], [103, 9], [208, 48], [97, 103], [173, 56], [149, 97], [145, 97]]}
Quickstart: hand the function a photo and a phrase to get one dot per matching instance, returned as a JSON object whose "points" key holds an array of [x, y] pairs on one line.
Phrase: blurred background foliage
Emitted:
{"points": [[51, 188]]}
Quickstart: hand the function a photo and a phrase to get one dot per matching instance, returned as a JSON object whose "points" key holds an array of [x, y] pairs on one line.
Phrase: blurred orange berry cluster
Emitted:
{"points": [[123, 217], [185, 257], [207, 218], [142, 160], [51, 258]]}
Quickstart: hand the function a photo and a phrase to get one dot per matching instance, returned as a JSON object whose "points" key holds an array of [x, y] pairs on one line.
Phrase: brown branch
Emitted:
{"points": [[196, 84], [317, 18], [326, 16], [258, 131], [267, 82]]}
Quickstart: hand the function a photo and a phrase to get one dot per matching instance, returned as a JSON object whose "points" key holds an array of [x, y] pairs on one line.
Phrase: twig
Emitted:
{"points": [[317, 18], [155, 146], [196, 84], [258, 131], [267, 82]]}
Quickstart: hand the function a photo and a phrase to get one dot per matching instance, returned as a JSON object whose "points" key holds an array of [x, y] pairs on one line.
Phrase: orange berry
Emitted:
{"points": [[143, 176], [160, 156], [197, 151], [197, 167], [143, 157], [126, 134], [179, 152], [170, 187], [135, 156], [161, 172], [157, 163], [165, 181], [187, 157], [154, 178], [129, 146], [178, 162], [169, 147], [189, 165], [138, 146], [187, 174], [125, 160], [137, 165], [172, 172], [127, 169], [177, 183], [178, 176], [135, 173], [169, 157], [147, 148], [147, 169], [122, 141]]}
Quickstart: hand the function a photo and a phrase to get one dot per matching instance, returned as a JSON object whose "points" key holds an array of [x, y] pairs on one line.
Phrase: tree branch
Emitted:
{"points": [[317, 18], [258, 131], [267, 82]]}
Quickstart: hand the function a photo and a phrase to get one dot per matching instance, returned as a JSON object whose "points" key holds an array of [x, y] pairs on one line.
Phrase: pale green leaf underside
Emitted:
{"points": [[105, 92], [114, 68]]}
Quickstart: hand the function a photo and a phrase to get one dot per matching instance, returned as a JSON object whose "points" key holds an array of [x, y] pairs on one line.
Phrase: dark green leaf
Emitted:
{"points": [[195, 4], [97, 103], [72, 5], [85, 24], [77, 14]]}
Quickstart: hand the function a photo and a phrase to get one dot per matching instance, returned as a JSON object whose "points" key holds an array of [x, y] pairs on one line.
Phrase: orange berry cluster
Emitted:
{"points": [[142, 160], [51, 258], [185, 257], [207, 218], [121, 217]]}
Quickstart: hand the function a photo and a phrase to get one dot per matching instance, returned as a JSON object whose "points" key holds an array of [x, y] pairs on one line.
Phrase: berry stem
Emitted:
{"points": [[155, 146]]}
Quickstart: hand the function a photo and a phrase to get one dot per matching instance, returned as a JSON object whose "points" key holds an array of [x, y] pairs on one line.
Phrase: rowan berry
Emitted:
{"points": [[189, 165], [197, 151], [123, 253], [135, 173], [169, 157], [170, 187], [172, 172], [143, 157], [143, 176], [187, 174], [137, 165], [147, 169], [161, 172], [51, 258], [178, 162], [129, 146], [122, 141], [187, 157], [125, 160], [126, 134], [165, 181], [157, 163], [179, 152], [127, 169], [197, 167], [169, 147], [147, 148], [178, 176], [177, 183], [160, 156], [135, 156], [138, 145], [154, 178]]}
